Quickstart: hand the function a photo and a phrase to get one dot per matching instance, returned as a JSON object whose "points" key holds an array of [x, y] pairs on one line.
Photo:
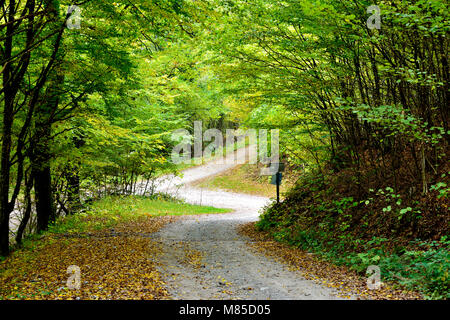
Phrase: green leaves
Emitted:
{"points": [[441, 187]]}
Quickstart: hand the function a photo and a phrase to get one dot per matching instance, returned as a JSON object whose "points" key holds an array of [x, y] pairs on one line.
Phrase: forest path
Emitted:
{"points": [[204, 257]]}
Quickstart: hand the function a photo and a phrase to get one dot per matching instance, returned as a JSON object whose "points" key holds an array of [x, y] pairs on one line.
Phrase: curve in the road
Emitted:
{"points": [[229, 269]]}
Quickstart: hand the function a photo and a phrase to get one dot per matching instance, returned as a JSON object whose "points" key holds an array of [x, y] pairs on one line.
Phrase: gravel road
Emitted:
{"points": [[225, 266]]}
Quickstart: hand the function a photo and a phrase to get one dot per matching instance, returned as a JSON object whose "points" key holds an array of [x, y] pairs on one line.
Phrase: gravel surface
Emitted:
{"points": [[205, 258]]}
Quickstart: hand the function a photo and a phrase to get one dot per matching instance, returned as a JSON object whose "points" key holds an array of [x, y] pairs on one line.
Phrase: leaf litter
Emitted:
{"points": [[114, 264]]}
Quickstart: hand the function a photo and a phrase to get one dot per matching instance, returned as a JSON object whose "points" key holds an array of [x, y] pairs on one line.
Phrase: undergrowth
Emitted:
{"points": [[405, 236]]}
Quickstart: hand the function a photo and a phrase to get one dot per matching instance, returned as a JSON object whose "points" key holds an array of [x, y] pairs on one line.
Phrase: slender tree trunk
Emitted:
{"points": [[73, 192], [45, 204], [5, 208], [424, 174], [8, 116], [45, 208], [73, 180], [28, 208]]}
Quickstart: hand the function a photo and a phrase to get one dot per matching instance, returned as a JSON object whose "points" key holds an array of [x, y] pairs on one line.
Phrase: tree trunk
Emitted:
{"points": [[45, 209], [41, 165], [8, 116], [28, 208], [73, 189]]}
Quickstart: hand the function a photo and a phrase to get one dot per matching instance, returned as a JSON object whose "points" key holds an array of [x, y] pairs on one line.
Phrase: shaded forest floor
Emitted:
{"points": [[357, 219]]}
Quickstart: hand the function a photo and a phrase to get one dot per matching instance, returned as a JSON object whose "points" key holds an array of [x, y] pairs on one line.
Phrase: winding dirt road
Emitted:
{"points": [[225, 266]]}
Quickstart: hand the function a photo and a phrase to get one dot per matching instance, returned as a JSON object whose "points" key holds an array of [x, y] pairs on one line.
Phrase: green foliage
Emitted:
{"points": [[425, 269], [111, 94], [441, 187], [361, 232], [97, 106]]}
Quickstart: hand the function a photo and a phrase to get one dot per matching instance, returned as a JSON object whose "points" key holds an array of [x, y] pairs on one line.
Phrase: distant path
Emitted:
{"points": [[229, 269]]}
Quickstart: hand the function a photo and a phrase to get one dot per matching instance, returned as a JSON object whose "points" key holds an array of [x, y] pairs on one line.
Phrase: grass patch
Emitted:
{"points": [[243, 179], [109, 211]]}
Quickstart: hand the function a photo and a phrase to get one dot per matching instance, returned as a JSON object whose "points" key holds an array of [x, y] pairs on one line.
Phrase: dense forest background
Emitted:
{"points": [[88, 110]]}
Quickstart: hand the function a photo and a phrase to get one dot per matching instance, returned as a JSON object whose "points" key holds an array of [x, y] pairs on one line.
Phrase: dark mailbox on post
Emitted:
{"points": [[276, 179]]}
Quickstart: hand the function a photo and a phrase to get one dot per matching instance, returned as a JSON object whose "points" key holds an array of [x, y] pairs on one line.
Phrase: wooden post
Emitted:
{"points": [[278, 187]]}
